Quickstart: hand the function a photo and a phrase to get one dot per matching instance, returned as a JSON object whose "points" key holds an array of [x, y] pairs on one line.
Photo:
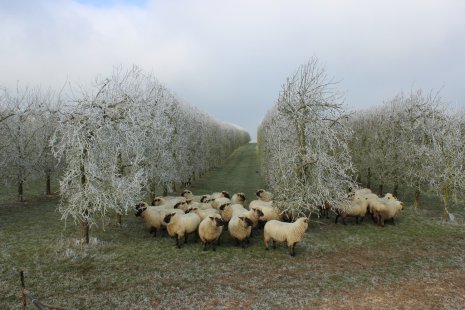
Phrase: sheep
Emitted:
{"points": [[291, 233], [200, 205], [263, 195], [238, 198], [203, 213], [357, 208], [182, 205], [180, 225], [224, 194], [153, 216], [167, 201], [189, 196], [220, 201], [240, 228], [229, 210], [387, 211], [210, 230], [254, 215]]}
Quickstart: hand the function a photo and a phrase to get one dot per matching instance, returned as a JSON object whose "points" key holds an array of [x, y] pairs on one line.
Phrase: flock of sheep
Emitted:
{"points": [[210, 215]]}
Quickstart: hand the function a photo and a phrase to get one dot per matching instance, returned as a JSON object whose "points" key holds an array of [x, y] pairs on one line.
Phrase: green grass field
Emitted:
{"points": [[419, 263]]}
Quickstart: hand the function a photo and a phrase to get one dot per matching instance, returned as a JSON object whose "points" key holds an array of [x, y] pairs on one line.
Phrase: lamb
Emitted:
{"points": [[210, 230], [324, 209], [263, 195], [238, 198], [291, 233], [357, 208], [180, 225], [182, 205], [239, 228]]}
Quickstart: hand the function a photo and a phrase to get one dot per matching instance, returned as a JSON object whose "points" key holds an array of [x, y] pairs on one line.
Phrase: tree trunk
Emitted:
{"points": [[119, 218], [21, 191], [445, 198], [380, 190], [48, 187], [416, 204], [396, 189], [84, 232], [369, 178], [165, 190]]}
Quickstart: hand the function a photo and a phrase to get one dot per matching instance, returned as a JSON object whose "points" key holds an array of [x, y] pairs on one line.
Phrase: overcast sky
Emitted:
{"points": [[229, 58]]}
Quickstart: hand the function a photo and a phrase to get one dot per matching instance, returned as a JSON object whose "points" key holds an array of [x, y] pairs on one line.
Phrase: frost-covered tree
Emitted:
{"points": [[100, 140], [448, 158], [303, 142], [22, 124]]}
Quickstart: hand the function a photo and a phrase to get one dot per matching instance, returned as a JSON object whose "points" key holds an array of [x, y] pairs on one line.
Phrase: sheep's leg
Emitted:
{"points": [[185, 238], [153, 231], [214, 246], [337, 217], [266, 243], [204, 246], [247, 240], [292, 249], [274, 244], [237, 241], [356, 220], [343, 220], [393, 222], [178, 244]]}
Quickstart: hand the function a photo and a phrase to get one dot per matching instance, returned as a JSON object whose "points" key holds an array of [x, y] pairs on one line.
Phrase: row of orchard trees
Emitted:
{"points": [[312, 151], [303, 143], [412, 141], [27, 122], [123, 140]]}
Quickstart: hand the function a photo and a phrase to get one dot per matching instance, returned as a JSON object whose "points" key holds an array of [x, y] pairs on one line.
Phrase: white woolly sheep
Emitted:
{"points": [[203, 213], [180, 225], [238, 198], [210, 230], [291, 233], [219, 202], [153, 216], [240, 228], [357, 208], [224, 194], [189, 196], [200, 205], [387, 211], [167, 201], [264, 195]]}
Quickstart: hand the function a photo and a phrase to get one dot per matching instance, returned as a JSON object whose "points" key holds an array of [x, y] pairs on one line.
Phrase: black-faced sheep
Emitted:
{"points": [[291, 233], [180, 225], [210, 230], [239, 228]]}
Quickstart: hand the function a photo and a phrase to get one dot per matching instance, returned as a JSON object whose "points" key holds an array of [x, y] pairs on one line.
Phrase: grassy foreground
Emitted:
{"points": [[419, 263]]}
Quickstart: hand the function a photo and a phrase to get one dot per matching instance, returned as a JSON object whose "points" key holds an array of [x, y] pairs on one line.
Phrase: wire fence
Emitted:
{"points": [[27, 295]]}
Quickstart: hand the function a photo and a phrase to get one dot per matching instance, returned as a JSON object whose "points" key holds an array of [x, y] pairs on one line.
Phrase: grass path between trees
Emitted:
{"points": [[419, 263]]}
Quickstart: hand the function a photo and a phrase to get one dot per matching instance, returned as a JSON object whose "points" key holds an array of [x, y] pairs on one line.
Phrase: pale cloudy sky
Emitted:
{"points": [[229, 58]]}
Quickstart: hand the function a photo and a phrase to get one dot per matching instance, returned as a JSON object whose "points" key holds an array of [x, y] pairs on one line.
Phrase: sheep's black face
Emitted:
{"points": [[156, 202], [259, 192], [242, 196], [219, 222], [167, 218], [179, 204], [222, 207], [203, 199], [140, 209], [258, 212], [248, 222], [226, 194], [186, 192]]}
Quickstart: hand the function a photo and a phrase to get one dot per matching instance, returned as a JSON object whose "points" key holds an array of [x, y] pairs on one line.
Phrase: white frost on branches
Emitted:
{"points": [[303, 143]]}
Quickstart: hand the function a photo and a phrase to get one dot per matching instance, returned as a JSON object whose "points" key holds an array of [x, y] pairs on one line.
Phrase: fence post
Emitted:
{"points": [[22, 290]]}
